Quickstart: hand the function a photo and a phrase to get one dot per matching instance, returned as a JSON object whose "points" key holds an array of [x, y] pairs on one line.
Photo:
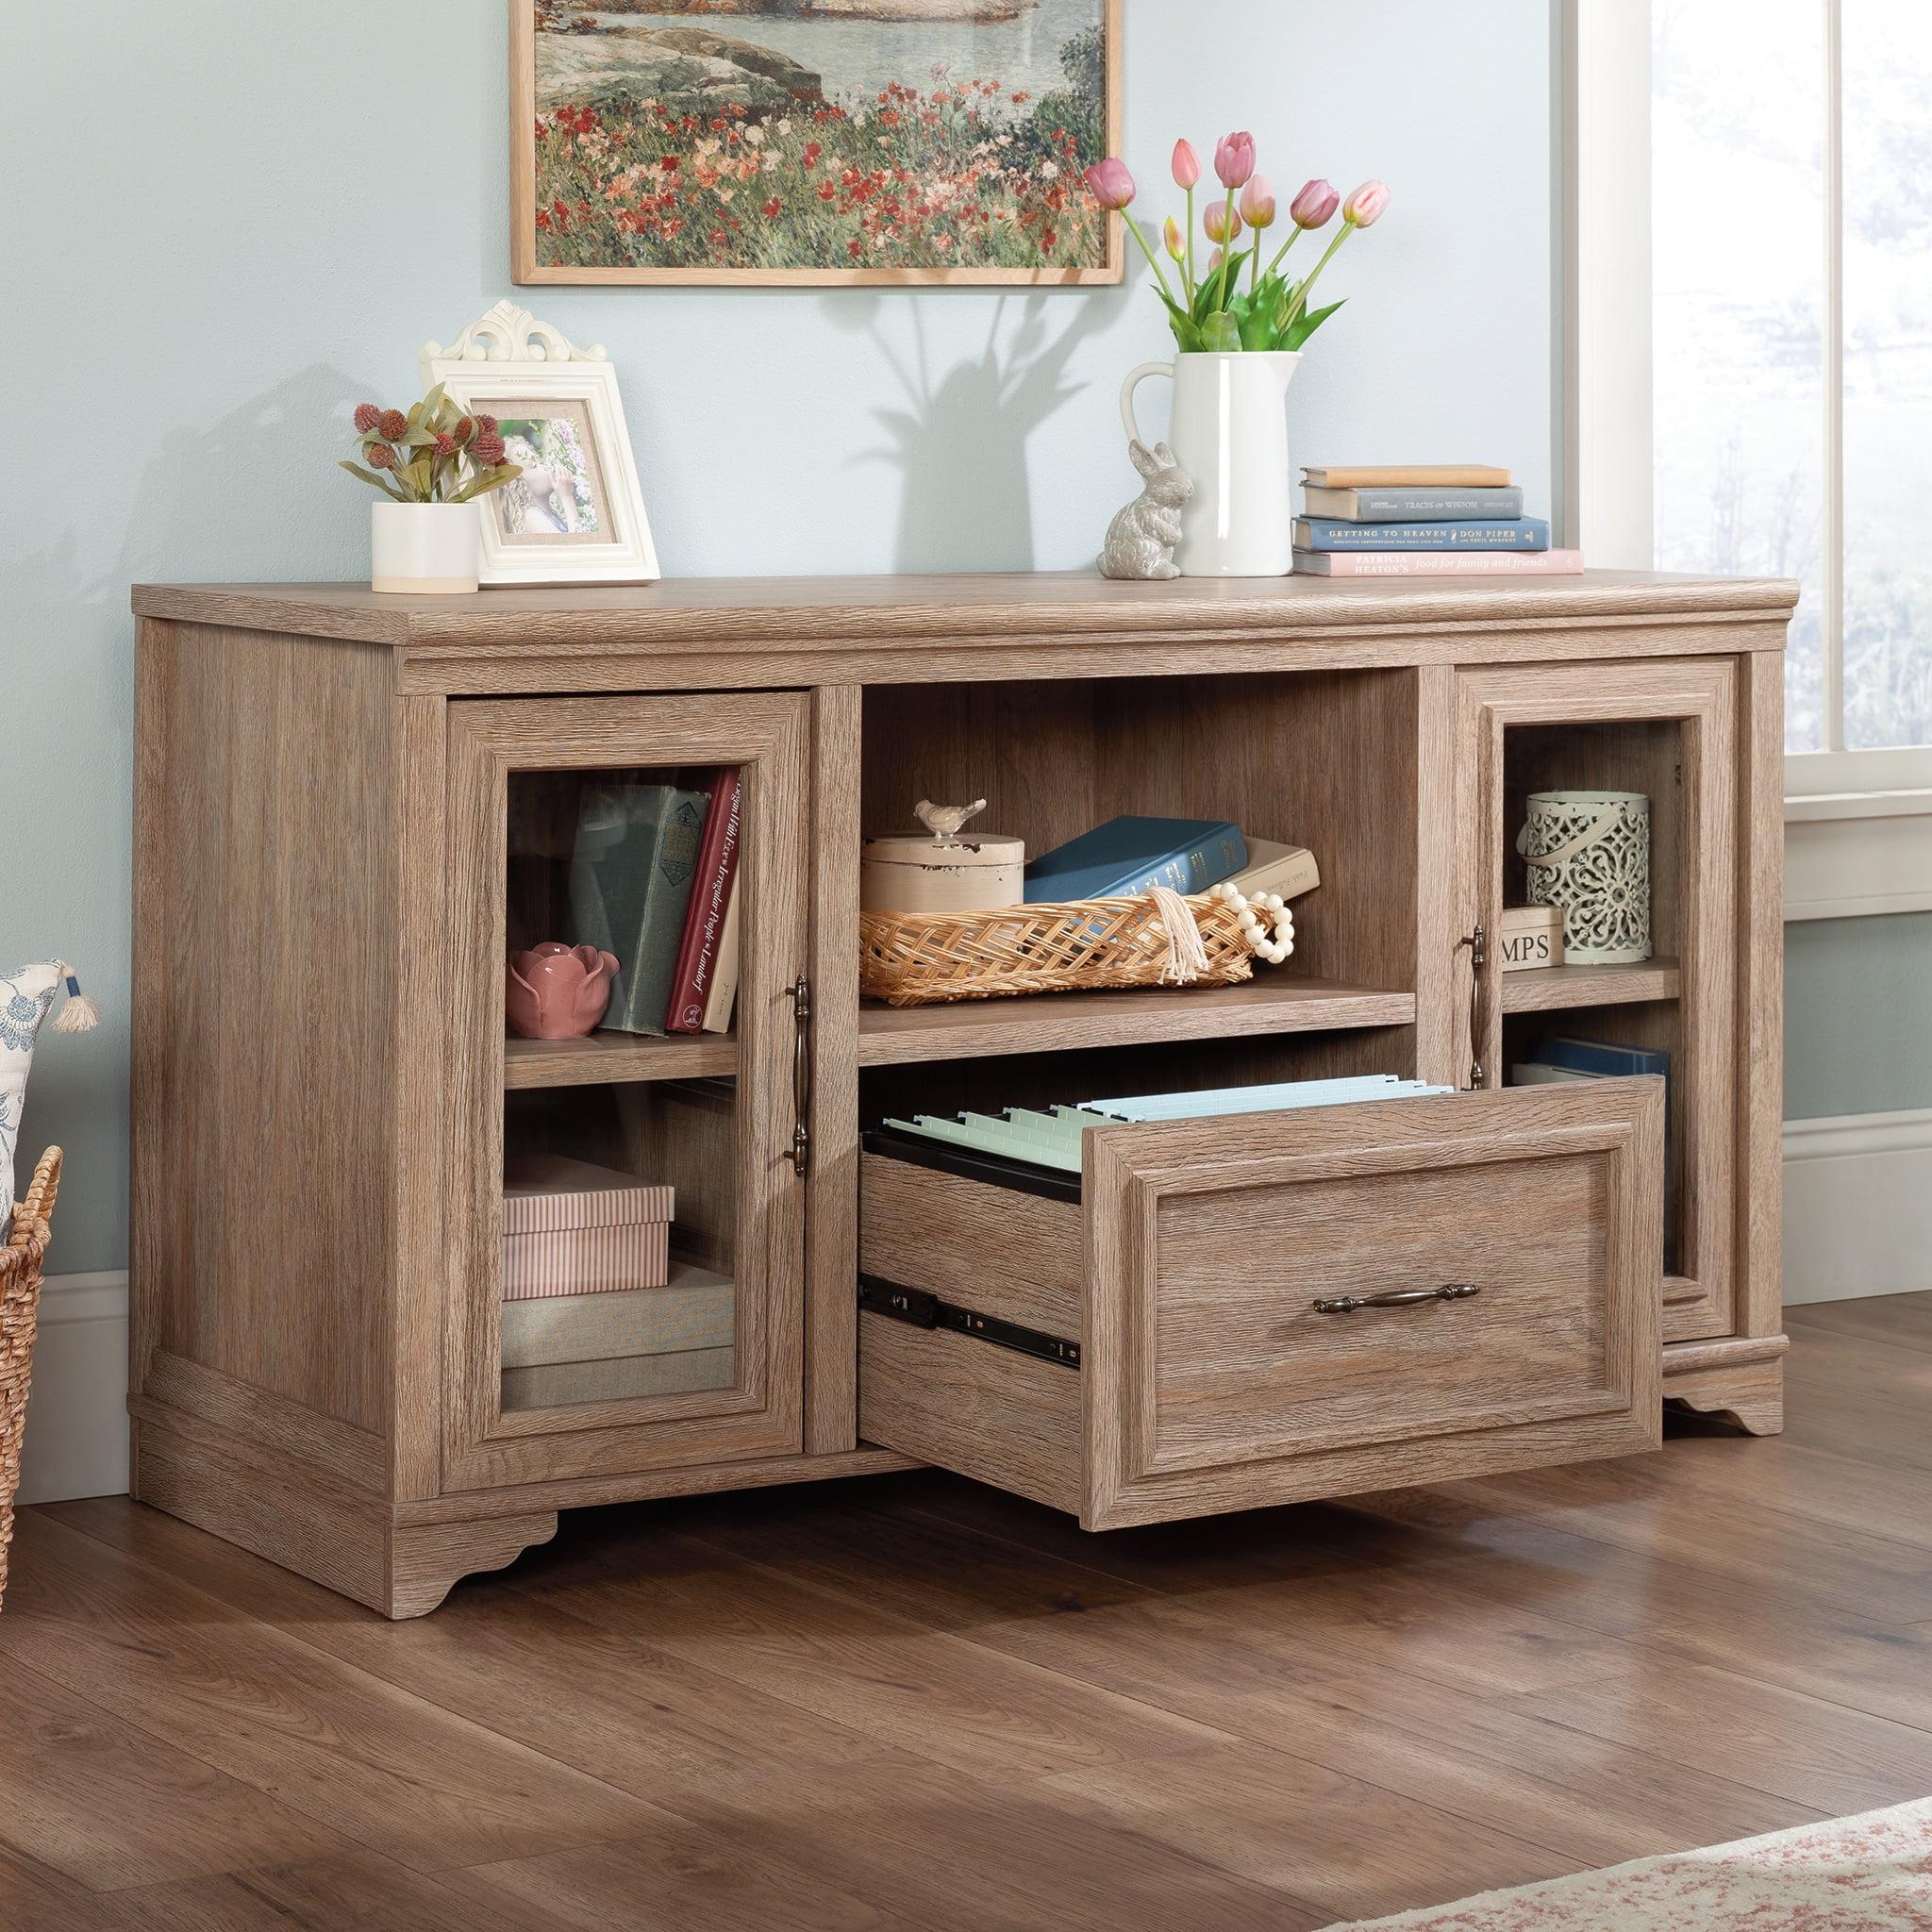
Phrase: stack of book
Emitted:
{"points": [[653, 880], [1422, 519], [1128, 855]]}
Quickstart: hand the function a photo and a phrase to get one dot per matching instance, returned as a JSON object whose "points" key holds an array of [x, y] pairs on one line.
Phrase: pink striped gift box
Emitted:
{"points": [[571, 1228]]}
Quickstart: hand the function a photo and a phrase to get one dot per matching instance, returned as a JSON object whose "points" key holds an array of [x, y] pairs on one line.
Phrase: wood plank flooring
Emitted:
{"points": [[911, 1701]]}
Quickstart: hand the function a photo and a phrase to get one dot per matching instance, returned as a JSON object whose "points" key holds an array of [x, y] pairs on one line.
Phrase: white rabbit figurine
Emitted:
{"points": [[1141, 540]]}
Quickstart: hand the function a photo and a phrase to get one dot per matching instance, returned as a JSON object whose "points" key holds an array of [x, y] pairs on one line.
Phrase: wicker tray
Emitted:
{"points": [[20, 1307], [1084, 945]]}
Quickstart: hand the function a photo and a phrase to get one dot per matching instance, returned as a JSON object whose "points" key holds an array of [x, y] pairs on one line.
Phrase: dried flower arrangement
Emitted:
{"points": [[433, 454]]}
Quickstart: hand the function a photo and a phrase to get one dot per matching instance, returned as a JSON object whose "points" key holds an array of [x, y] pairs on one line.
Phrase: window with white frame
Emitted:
{"points": [[1788, 323]]}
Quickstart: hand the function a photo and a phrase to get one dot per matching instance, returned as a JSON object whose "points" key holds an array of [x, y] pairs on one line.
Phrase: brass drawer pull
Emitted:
{"points": [[1398, 1298], [801, 1075]]}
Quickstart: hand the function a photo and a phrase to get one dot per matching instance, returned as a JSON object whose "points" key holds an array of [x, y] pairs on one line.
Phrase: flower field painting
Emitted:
{"points": [[814, 141]]}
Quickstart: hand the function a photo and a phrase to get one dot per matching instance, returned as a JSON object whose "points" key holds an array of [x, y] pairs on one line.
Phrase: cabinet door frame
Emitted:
{"points": [[1700, 694], [767, 735]]}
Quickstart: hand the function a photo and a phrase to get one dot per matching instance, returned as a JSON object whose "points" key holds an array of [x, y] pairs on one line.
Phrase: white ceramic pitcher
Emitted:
{"points": [[1230, 432]]}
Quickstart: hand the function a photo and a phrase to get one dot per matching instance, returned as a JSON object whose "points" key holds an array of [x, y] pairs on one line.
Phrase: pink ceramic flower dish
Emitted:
{"points": [[555, 992]]}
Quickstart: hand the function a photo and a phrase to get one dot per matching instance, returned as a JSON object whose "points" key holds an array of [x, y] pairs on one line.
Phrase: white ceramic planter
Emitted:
{"points": [[430, 549], [1230, 432]]}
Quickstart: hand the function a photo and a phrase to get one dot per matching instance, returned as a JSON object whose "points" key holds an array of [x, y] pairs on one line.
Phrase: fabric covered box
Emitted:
{"points": [[571, 1228], [562, 1349]]}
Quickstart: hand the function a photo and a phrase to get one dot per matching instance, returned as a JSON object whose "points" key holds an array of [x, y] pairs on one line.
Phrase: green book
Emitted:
{"points": [[631, 875]]}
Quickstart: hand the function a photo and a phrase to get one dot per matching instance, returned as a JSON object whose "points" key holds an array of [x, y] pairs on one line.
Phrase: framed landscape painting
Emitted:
{"points": [[908, 141]]}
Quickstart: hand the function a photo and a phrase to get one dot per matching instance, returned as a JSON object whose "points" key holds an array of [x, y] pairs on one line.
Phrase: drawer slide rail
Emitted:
{"points": [[922, 1310]]}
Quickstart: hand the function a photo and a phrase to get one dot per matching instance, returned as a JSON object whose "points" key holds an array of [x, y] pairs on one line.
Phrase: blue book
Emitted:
{"points": [[1128, 855], [1451, 533]]}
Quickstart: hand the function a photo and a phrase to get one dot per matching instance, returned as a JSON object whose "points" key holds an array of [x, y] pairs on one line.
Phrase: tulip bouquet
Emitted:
{"points": [[1212, 312]]}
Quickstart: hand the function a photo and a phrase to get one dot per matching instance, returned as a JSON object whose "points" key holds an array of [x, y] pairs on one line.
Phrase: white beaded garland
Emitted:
{"points": [[1266, 922]]}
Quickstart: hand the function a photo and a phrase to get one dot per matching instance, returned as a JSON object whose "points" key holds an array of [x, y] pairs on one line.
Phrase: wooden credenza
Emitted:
{"points": [[347, 806]]}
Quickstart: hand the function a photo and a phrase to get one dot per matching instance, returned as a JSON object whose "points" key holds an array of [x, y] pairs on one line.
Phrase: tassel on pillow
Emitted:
{"points": [[81, 1014]]}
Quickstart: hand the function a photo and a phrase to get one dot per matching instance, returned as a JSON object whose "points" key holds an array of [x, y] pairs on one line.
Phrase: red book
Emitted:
{"points": [[711, 898]]}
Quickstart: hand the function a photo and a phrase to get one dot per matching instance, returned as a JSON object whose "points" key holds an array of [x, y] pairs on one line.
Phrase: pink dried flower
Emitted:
{"points": [[486, 424], [487, 449], [392, 424], [367, 417], [445, 445], [379, 455], [466, 427]]}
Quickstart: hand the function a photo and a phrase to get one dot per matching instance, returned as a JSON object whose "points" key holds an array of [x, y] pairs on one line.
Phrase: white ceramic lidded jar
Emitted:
{"points": [[432, 549]]}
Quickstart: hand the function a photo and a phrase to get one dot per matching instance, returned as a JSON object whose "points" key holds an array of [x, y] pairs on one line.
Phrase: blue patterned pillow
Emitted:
{"points": [[24, 997]]}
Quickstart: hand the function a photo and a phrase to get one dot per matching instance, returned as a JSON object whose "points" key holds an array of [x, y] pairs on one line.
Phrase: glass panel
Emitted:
{"points": [[620, 1211], [1738, 121], [1888, 374], [620, 1199]]}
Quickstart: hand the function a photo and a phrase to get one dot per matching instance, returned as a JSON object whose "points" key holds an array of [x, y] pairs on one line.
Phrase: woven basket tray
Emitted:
{"points": [[1086, 945], [19, 1304]]}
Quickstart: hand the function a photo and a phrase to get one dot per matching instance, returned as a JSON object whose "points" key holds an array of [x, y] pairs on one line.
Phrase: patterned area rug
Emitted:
{"points": [[1871, 1874]]}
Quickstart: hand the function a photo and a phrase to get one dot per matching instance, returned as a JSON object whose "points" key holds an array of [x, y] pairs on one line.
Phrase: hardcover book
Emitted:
{"points": [[1289, 870], [724, 993], [710, 901], [632, 871], [1411, 506], [1128, 855], [1407, 477], [1439, 564], [1442, 533]]}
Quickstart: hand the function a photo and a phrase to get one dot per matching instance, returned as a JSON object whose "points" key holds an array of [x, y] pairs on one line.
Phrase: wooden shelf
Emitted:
{"points": [[1051, 1023], [1556, 989], [604, 1058]]}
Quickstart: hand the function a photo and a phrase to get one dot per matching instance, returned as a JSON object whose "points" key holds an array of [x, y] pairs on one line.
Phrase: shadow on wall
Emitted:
{"points": [[958, 440]]}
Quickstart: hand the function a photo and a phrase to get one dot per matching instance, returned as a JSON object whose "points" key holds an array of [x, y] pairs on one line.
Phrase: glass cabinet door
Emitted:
{"points": [[1575, 738], [627, 939]]}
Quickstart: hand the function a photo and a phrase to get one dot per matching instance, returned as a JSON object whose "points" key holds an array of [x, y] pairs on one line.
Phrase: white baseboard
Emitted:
{"points": [[76, 1414], [1855, 1190]]}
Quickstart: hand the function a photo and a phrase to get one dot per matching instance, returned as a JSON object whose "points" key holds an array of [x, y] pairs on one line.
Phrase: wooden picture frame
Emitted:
{"points": [[595, 216], [519, 370]]}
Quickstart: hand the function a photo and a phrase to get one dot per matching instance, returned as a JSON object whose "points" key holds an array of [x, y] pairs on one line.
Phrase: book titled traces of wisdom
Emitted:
{"points": [[632, 870]]}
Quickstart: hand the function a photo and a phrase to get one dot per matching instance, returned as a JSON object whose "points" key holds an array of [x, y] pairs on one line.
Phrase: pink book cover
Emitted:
{"points": [[1439, 563]]}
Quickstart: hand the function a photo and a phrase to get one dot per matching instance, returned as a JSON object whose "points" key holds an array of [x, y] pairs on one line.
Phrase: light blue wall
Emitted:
{"points": [[229, 220], [1857, 1015]]}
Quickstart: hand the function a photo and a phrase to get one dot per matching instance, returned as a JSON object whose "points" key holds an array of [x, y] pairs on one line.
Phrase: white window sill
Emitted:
{"points": [[1852, 854]]}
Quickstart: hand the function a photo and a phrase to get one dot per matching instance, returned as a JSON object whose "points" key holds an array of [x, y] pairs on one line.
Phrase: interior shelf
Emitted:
{"points": [[1049, 1022], [1552, 988], [600, 1059]]}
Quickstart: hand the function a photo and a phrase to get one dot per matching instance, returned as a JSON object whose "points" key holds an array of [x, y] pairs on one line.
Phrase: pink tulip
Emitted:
{"points": [[1186, 164], [1234, 158], [1362, 208], [1111, 185], [1222, 223], [1314, 205], [1176, 241], [1214, 262], [1258, 203]]}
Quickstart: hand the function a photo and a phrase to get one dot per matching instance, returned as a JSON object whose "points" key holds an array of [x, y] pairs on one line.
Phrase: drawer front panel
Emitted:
{"points": [[1214, 1383], [1247, 1364]]}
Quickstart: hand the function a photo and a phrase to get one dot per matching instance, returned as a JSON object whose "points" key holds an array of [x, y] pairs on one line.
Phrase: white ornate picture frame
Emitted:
{"points": [[577, 518]]}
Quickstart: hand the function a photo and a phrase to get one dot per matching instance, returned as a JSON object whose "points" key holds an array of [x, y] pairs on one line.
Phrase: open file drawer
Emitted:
{"points": [[1161, 1339]]}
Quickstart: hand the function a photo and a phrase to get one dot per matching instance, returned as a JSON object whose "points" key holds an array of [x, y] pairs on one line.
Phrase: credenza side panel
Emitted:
{"points": [[266, 1027]]}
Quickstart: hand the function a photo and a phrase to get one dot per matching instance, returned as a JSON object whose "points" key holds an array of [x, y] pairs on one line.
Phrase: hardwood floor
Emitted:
{"points": [[911, 1702]]}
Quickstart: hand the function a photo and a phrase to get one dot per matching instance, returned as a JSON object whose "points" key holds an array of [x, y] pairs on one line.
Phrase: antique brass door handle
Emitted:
{"points": [[1398, 1298]]}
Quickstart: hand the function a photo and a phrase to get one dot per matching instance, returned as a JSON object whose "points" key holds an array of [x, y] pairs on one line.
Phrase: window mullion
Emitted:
{"points": [[1831, 616]]}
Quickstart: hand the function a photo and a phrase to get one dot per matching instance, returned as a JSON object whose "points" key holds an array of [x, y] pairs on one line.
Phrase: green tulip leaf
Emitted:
{"points": [[1221, 334], [1307, 323]]}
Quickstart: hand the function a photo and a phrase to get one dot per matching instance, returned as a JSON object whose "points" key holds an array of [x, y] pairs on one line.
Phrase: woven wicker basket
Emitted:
{"points": [[1086, 945], [20, 1308]]}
